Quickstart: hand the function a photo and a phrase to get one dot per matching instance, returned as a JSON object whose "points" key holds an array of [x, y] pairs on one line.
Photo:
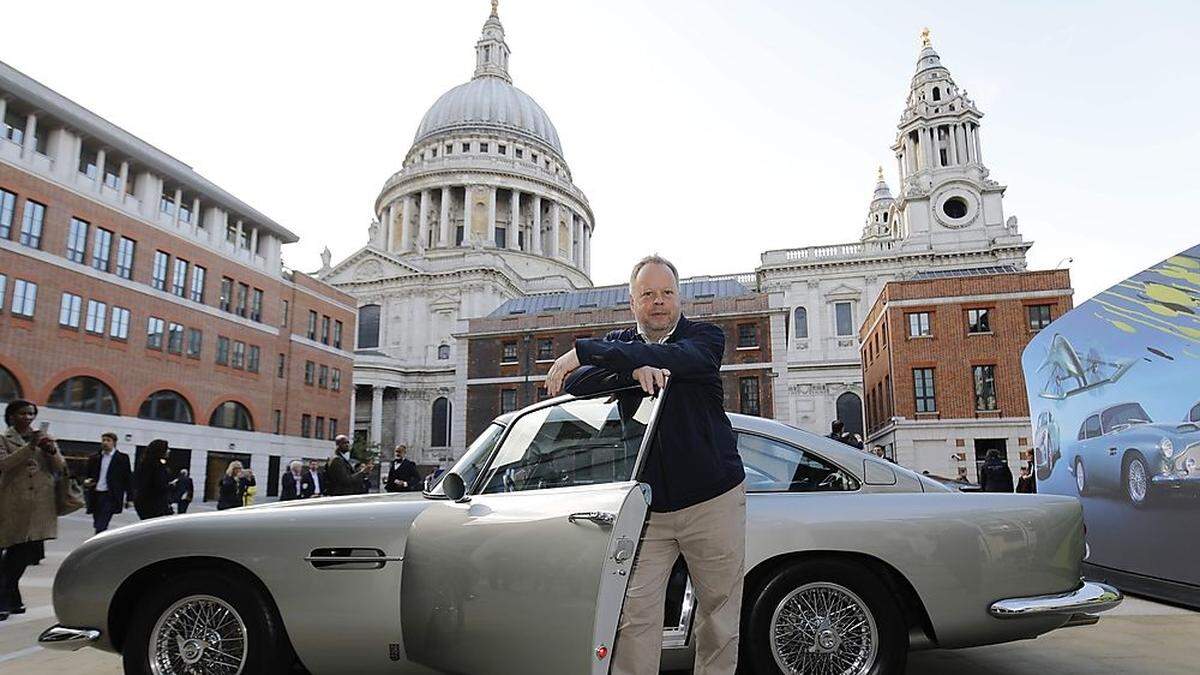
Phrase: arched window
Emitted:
{"points": [[801, 322], [368, 326], [231, 415], [850, 412], [443, 352], [440, 432], [84, 393], [937, 94], [167, 406], [10, 389]]}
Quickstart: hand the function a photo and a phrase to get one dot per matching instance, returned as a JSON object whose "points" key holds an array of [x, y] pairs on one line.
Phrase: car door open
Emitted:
{"points": [[527, 571]]}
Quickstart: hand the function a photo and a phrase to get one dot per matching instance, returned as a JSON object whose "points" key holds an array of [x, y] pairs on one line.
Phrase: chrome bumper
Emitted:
{"points": [[67, 639], [1092, 596]]}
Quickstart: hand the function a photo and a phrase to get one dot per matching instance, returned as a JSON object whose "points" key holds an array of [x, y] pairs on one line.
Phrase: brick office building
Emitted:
{"points": [[941, 358], [140, 298], [510, 351]]}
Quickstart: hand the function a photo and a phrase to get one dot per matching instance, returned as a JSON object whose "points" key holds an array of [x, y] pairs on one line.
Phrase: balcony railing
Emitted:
{"points": [[829, 252]]}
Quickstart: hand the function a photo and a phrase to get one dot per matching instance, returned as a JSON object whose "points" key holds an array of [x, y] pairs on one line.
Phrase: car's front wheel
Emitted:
{"points": [[1081, 481], [1137, 480], [827, 616], [204, 622]]}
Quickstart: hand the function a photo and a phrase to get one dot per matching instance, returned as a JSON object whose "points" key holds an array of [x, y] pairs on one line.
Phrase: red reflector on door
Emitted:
{"points": [[601, 652]]}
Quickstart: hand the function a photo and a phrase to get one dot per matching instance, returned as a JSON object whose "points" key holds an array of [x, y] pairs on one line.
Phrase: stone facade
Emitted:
{"points": [[922, 344]]}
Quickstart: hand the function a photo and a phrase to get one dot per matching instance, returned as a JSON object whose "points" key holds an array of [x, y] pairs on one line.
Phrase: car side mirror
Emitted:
{"points": [[454, 487]]}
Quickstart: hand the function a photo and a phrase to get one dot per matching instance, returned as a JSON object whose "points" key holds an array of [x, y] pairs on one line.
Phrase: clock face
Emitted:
{"points": [[955, 208]]}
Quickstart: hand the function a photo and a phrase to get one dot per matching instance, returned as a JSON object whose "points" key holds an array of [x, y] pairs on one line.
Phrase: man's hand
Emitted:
{"points": [[563, 366], [652, 379]]}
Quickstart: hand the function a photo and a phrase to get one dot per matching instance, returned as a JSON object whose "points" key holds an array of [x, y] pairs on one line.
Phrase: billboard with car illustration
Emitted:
{"points": [[1114, 394]]}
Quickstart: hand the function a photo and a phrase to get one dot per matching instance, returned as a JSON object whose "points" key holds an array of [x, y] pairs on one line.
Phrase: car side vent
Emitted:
{"points": [[349, 558]]}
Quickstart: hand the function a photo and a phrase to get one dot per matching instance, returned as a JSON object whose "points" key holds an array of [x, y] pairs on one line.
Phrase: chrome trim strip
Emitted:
{"points": [[1091, 597], [677, 636], [66, 639], [353, 558]]}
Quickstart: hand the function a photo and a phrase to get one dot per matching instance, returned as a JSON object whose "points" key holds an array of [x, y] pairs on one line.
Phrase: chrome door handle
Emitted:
{"points": [[598, 517], [1112, 451]]}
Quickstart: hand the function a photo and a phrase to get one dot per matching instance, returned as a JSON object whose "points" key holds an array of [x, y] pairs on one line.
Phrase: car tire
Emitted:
{"points": [[851, 586], [1135, 479], [1081, 482], [245, 615]]}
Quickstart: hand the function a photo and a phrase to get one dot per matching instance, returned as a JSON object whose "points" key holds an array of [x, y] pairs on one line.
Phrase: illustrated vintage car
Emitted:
{"points": [[1046, 450], [517, 562], [1121, 449], [1193, 414]]}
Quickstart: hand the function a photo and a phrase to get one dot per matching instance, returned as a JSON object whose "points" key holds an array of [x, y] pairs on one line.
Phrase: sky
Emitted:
{"points": [[708, 132]]}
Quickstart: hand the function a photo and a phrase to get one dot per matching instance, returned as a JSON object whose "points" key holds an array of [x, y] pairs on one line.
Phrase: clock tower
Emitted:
{"points": [[946, 200]]}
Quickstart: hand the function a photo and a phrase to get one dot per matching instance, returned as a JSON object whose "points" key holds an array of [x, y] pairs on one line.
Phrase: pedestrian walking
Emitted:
{"points": [[296, 483], [107, 483], [698, 494], [339, 473], [318, 478], [151, 483], [838, 433], [403, 475], [994, 475], [1026, 484], [29, 462], [229, 491], [185, 491], [249, 487]]}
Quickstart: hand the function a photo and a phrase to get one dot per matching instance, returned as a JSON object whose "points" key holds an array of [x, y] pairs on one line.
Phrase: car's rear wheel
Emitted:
{"points": [[1136, 480], [826, 616], [1081, 482], [204, 622]]}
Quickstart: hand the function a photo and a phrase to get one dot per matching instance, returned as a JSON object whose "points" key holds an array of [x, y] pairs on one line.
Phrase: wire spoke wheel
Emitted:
{"points": [[1137, 480], [823, 628], [198, 635]]}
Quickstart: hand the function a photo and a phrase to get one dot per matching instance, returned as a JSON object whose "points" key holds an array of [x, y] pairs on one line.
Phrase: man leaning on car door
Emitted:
{"points": [[698, 499]]}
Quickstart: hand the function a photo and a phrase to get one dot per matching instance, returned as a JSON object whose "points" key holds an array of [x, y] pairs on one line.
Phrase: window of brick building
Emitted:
{"points": [[319, 428], [545, 349], [102, 249], [508, 400], [747, 335], [155, 328], [24, 299], [278, 422], [509, 353], [310, 372], [978, 321], [281, 366], [8, 206], [323, 377], [125, 251], [337, 334], [198, 274], [256, 305], [1039, 316], [306, 426], [31, 224], [195, 343], [222, 350], [312, 325], [179, 279], [923, 390], [69, 311], [324, 330], [748, 395], [118, 325], [985, 387], [335, 379], [96, 315], [77, 240], [918, 325], [158, 275], [175, 338], [253, 355], [243, 293], [239, 354]]}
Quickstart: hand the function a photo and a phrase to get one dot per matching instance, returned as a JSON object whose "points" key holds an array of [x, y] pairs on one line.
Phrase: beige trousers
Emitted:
{"points": [[712, 538]]}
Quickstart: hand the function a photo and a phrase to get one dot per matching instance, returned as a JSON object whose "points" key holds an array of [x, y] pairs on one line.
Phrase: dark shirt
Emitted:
{"points": [[693, 456], [293, 488], [151, 489], [1026, 485], [119, 481], [184, 490], [995, 476], [342, 479], [229, 493]]}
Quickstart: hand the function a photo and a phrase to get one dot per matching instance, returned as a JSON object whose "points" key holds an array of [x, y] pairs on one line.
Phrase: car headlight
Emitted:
{"points": [[1166, 446]]}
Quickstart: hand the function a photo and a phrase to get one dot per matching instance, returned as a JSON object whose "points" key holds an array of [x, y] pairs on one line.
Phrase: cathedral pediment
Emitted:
{"points": [[843, 292], [367, 265]]}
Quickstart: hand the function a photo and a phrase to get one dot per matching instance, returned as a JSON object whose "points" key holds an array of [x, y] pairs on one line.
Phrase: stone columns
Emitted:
{"points": [[952, 133], [237, 235], [3, 109], [389, 237], [571, 238], [514, 221], [196, 220], [376, 415], [101, 157], [28, 144], [405, 226], [491, 225], [423, 221], [536, 243], [555, 224], [900, 169], [444, 223], [254, 241], [467, 204], [587, 249], [178, 203], [353, 405], [123, 181], [978, 147]]}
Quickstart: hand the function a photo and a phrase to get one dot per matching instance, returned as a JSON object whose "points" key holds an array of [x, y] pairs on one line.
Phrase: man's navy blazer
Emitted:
{"points": [[693, 456]]}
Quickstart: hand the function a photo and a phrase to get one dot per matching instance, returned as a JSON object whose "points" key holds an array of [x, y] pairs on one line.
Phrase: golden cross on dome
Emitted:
{"points": [[495, 8], [925, 41]]}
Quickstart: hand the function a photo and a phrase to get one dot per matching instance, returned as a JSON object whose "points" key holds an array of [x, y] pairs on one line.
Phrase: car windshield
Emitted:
{"points": [[472, 461], [1126, 413], [580, 442]]}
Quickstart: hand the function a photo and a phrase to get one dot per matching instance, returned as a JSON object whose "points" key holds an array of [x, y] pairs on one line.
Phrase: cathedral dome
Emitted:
{"points": [[489, 101]]}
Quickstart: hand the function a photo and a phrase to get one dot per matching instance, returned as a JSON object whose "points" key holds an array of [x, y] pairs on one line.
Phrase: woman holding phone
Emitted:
{"points": [[29, 460]]}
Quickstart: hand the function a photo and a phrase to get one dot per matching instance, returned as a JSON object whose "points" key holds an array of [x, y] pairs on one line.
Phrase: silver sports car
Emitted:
{"points": [[517, 562]]}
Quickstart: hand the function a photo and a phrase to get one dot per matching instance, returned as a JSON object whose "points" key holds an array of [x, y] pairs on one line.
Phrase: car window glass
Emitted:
{"points": [[1195, 416], [1126, 413], [774, 466], [473, 460], [581, 442], [1091, 427]]}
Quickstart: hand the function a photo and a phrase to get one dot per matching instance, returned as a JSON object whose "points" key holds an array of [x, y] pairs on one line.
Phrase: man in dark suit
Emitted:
{"points": [[339, 472], [185, 491], [403, 475], [296, 483], [108, 480], [318, 478]]}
